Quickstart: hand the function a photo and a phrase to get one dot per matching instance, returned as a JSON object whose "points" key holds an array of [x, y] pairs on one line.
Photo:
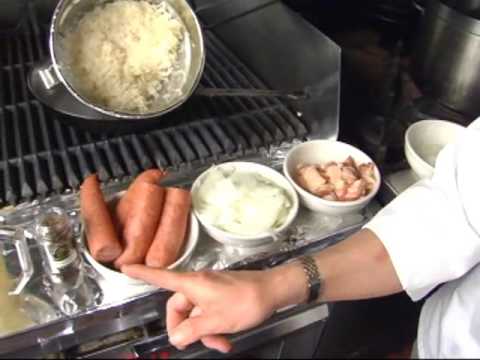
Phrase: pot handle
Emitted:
{"points": [[48, 76], [217, 92], [17, 237]]}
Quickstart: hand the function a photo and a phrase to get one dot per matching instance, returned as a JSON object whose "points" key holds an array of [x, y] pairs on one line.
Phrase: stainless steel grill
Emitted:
{"points": [[41, 155]]}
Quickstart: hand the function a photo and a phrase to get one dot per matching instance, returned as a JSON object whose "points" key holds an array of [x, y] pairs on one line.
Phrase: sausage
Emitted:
{"points": [[152, 176], [103, 241], [171, 233], [142, 223]]}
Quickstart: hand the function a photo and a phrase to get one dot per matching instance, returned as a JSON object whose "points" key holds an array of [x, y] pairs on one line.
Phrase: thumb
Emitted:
{"points": [[219, 343], [192, 330]]}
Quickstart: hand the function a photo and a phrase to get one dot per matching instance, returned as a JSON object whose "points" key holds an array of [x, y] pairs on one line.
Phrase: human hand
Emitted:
{"points": [[208, 305]]}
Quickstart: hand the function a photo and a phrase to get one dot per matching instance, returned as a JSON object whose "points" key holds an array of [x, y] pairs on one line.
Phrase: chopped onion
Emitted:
{"points": [[242, 203]]}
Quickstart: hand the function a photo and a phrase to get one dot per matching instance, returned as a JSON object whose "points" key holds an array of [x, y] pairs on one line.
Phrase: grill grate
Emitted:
{"points": [[40, 155]]}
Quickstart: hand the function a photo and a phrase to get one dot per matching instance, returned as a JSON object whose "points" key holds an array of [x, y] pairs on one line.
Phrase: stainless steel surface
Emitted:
{"points": [[447, 59], [125, 309], [469, 7], [396, 183], [104, 322], [18, 238], [278, 327], [179, 89]]}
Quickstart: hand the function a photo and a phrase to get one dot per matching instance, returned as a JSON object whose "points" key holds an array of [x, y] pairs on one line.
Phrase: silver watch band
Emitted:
{"points": [[314, 280]]}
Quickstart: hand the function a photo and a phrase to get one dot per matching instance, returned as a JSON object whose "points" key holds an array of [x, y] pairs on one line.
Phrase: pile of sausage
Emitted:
{"points": [[148, 225], [338, 181]]}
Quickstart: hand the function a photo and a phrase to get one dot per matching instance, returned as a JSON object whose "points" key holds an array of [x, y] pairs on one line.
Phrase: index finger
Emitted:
{"points": [[164, 279]]}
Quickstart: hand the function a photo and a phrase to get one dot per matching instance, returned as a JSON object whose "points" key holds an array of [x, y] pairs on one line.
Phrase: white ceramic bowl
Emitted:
{"points": [[120, 278], [259, 240], [322, 152], [423, 142]]}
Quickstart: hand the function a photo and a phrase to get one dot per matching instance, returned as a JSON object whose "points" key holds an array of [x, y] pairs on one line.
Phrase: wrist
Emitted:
{"points": [[288, 285]]}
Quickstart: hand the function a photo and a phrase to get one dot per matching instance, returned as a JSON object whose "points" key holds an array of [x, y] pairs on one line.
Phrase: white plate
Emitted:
{"points": [[121, 279]]}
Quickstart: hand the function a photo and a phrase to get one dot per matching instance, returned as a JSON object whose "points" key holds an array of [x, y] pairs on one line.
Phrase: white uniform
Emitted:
{"points": [[432, 233]]}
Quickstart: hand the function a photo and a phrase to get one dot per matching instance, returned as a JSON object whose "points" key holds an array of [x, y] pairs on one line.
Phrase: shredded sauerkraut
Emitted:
{"points": [[121, 54]]}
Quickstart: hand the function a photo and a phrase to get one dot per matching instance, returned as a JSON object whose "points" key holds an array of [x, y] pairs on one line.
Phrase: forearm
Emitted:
{"points": [[357, 268]]}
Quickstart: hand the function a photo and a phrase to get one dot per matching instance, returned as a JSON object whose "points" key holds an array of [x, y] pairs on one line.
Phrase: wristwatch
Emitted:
{"points": [[314, 280]]}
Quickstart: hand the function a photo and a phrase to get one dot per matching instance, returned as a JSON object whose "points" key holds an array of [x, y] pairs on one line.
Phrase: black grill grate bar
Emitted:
{"points": [[241, 78], [96, 154], [127, 157], [11, 89], [39, 44], [245, 104], [9, 52], [160, 160], [281, 120], [16, 66], [220, 104], [173, 156], [68, 161], [203, 141], [3, 90], [252, 102], [56, 180], [117, 168], [212, 78], [192, 139], [41, 186], [222, 137], [142, 153], [82, 161], [219, 51], [242, 74], [227, 142], [246, 76], [8, 190], [29, 46], [33, 26], [181, 145], [25, 186], [233, 133], [256, 125]]}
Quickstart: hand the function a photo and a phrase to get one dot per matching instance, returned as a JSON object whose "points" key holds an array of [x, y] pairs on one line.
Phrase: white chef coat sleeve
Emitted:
{"points": [[431, 231]]}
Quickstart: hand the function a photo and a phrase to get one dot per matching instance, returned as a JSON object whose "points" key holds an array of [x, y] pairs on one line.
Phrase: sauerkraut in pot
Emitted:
{"points": [[121, 54]]}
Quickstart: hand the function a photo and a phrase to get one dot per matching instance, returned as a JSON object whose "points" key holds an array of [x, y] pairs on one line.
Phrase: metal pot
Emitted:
{"points": [[192, 58], [447, 58], [53, 83]]}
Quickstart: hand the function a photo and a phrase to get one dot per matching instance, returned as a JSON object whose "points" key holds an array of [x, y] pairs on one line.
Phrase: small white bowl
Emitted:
{"points": [[423, 142], [242, 241], [120, 278], [322, 152]]}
